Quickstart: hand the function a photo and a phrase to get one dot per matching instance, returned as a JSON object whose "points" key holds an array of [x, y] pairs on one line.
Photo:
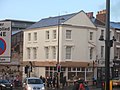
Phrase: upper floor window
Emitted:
{"points": [[91, 35], [35, 36], [91, 53], [54, 52], [54, 34], [47, 34], [68, 34], [29, 36], [118, 53], [102, 33], [118, 37], [28, 53], [46, 52], [102, 51], [34, 53], [68, 52]]}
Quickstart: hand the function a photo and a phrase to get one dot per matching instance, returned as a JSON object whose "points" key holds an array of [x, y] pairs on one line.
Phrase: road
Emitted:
{"points": [[70, 88]]}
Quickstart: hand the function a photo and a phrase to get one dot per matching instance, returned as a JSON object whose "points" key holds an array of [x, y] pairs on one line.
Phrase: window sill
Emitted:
{"points": [[47, 40], [68, 39]]}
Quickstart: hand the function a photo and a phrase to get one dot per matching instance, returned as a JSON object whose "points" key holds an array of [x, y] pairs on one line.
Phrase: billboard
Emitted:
{"points": [[5, 41]]}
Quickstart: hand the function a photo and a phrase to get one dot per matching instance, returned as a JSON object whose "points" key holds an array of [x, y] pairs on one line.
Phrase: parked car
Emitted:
{"points": [[5, 85], [116, 81], [33, 83]]}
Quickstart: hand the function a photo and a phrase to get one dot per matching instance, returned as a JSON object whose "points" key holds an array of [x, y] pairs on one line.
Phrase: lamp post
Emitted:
{"points": [[107, 46], [58, 63]]}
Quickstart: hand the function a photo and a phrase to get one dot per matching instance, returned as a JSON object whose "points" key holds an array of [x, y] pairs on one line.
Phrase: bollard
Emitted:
{"points": [[111, 87], [104, 85]]}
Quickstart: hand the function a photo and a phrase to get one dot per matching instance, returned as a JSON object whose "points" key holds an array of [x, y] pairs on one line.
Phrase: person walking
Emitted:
{"points": [[64, 81], [54, 80]]}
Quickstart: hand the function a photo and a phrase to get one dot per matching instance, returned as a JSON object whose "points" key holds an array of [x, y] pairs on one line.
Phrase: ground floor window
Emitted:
{"points": [[70, 72]]}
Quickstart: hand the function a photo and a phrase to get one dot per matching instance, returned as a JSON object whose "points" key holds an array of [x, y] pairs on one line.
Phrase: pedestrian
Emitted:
{"points": [[54, 80], [64, 81], [41, 77], [81, 86], [75, 86], [44, 80], [47, 81]]}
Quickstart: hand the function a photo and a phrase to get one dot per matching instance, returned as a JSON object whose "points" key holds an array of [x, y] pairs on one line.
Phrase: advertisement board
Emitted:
{"points": [[5, 41]]}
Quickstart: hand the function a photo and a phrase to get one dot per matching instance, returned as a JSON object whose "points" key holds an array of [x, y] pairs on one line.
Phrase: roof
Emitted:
{"points": [[115, 25], [51, 21], [13, 20], [14, 32], [97, 22]]}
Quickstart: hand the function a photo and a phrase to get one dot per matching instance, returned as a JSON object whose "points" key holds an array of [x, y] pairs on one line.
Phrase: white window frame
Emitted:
{"points": [[68, 52], [91, 35], [34, 53], [28, 53], [54, 52], [68, 34], [47, 35], [91, 53], [102, 32], [47, 52], [29, 36], [54, 34], [35, 36]]}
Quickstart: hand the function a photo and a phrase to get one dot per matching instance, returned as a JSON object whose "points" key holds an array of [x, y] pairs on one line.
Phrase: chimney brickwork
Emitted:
{"points": [[101, 15]]}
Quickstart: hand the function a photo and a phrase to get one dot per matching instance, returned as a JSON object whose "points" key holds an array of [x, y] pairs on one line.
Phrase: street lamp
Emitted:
{"points": [[58, 62], [108, 45]]}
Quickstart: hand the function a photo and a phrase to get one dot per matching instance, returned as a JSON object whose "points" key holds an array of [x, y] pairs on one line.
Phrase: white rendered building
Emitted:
{"points": [[79, 46]]}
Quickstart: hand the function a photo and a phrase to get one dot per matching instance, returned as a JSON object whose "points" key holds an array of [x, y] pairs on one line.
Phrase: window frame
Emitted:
{"points": [[91, 35], [35, 36], [68, 54], [29, 36], [68, 34]]}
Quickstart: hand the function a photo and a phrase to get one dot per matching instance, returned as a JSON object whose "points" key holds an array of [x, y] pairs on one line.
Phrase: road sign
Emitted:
{"points": [[5, 41], [2, 46]]}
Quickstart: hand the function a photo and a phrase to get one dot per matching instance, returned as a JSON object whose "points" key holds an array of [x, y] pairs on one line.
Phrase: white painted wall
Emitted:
{"points": [[102, 43]]}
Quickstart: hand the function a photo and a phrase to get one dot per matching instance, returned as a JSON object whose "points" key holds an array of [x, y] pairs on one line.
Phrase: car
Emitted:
{"points": [[116, 81], [33, 83], [5, 85]]}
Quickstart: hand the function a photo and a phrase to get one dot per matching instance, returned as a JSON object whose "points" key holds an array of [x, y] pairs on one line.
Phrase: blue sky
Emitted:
{"points": [[34, 10]]}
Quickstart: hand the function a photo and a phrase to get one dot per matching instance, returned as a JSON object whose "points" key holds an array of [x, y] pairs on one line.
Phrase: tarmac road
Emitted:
{"points": [[69, 88]]}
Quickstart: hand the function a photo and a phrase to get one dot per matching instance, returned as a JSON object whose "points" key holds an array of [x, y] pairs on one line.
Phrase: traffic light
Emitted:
{"points": [[58, 68], [26, 69]]}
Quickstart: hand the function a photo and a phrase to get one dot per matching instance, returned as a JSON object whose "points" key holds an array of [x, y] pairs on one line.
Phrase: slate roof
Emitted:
{"points": [[115, 25], [51, 21]]}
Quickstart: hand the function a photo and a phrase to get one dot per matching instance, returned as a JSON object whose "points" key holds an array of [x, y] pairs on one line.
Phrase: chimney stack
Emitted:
{"points": [[101, 15], [90, 14]]}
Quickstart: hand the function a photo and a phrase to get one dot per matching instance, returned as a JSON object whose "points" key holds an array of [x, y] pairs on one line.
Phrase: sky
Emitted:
{"points": [[35, 10]]}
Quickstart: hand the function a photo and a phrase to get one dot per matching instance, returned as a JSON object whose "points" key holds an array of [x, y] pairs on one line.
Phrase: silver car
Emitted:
{"points": [[33, 83]]}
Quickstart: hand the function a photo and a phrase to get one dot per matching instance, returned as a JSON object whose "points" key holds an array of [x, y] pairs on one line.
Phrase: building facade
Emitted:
{"points": [[14, 67], [77, 46], [72, 41]]}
